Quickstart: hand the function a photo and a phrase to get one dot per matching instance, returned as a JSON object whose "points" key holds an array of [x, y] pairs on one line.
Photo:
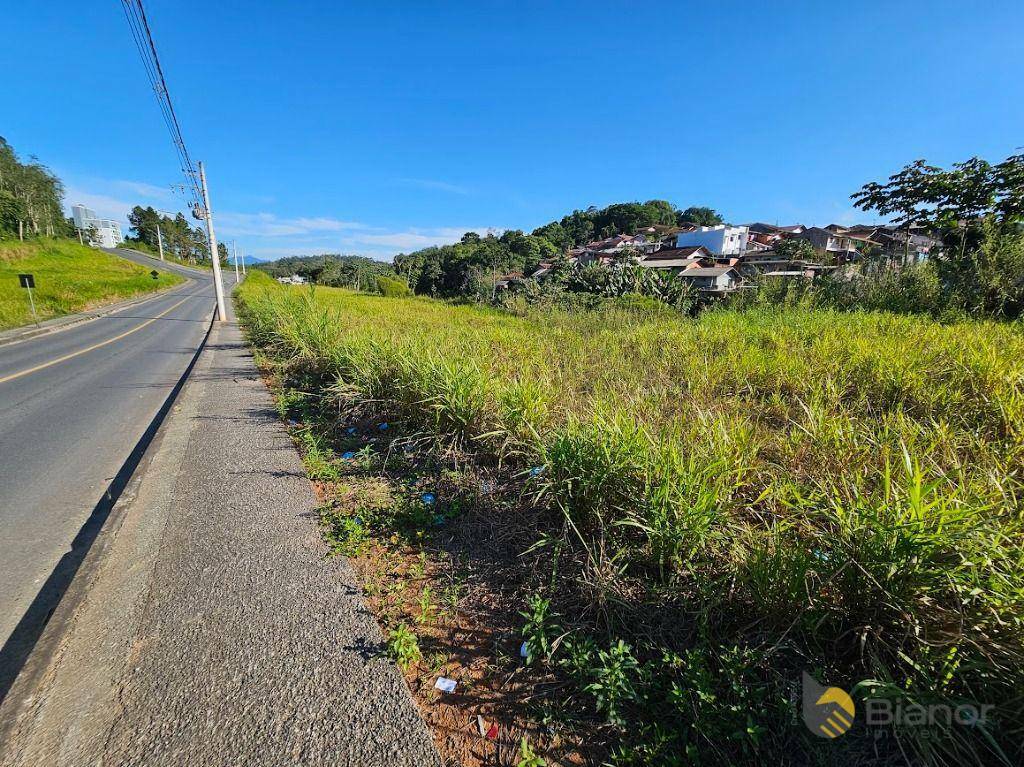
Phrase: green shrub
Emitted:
{"points": [[393, 287]]}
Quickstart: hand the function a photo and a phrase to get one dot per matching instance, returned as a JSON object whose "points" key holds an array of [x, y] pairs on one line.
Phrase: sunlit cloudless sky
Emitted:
{"points": [[382, 127]]}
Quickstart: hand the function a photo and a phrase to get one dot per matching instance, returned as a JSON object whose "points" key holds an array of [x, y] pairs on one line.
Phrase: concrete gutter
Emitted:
{"points": [[209, 625]]}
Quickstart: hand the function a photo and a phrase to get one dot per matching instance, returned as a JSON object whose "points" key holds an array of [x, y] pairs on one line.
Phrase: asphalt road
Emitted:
{"points": [[73, 404], [210, 625]]}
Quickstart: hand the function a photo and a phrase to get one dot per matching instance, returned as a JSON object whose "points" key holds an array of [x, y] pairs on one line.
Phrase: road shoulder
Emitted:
{"points": [[217, 630]]}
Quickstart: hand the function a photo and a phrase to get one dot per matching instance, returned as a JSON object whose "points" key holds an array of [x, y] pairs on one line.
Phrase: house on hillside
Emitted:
{"points": [[901, 247], [640, 242], [105, 232], [722, 240], [544, 267], [833, 244], [764, 236], [678, 259], [293, 280], [507, 281], [712, 279]]}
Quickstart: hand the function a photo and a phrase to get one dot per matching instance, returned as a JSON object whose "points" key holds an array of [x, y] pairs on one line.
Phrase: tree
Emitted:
{"points": [[699, 216], [556, 234], [976, 208], [578, 227], [795, 249], [31, 197]]}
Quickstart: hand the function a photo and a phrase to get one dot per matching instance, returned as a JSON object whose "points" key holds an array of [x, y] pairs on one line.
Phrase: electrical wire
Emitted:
{"points": [[143, 37]]}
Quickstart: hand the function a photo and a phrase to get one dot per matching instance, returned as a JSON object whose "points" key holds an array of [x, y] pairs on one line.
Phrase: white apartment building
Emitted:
{"points": [[108, 231], [722, 240]]}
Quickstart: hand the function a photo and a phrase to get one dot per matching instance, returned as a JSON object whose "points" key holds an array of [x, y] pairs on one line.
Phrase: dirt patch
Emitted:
{"points": [[438, 546]]}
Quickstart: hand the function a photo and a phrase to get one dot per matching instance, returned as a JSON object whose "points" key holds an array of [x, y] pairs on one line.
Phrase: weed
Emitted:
{"points": [[428, 610], [801, 487], [540, 629], [345, 535], [613, 677], [527, 756], [403, 647]]}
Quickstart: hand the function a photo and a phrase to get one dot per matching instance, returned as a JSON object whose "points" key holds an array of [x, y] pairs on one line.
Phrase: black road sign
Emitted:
{"points": [[155, 274], [27, 280]]}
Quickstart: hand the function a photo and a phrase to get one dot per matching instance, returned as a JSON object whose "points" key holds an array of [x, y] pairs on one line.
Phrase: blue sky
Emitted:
{"points": [[378, 128]]}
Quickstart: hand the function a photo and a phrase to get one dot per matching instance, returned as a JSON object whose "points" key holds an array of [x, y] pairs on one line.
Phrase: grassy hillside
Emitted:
{"points": [[149, 250], [719, 504], [69, 278]]}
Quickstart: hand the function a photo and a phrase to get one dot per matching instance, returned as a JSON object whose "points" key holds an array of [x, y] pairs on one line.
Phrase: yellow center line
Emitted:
{"points": [[66, 357]]}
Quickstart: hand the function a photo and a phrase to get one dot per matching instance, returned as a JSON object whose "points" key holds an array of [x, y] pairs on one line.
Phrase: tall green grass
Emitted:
{"points": [[69, 278], [754, 492]]}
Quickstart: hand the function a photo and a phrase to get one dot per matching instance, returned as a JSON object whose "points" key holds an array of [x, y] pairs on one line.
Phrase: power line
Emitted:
{"points": [[196, 179], [143, 36]]}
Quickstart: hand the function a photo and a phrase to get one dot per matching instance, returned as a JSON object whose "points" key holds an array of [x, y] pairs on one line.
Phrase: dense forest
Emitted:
{"points": [[31, 198], [471, 265], [181, 240], [331, 269]]}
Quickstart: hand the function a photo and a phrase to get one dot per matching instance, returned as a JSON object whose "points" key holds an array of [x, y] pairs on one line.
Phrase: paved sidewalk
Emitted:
{"points": [[215, 631]]}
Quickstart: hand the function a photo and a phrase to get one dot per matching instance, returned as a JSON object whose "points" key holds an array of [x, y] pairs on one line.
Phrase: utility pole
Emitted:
{"points": [[243, 264], [159, 241], [234, 252], [80, 241], [222, 314]]}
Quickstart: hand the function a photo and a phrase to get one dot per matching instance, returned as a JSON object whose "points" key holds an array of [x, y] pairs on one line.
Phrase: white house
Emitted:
{"points": [[722, 240], [107, 231]]}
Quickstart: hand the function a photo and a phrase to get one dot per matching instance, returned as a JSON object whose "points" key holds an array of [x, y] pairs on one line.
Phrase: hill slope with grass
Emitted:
{"points": [[700, 510], [69, 278]]}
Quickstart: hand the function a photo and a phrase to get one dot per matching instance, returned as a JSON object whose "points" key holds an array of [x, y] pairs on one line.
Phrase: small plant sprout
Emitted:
{"points": [[428, 610], [527, 756], [403, 647]]}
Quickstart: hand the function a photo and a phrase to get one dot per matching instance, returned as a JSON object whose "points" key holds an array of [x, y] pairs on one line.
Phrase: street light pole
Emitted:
{"points": [[222, 314], [159, 241]]}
